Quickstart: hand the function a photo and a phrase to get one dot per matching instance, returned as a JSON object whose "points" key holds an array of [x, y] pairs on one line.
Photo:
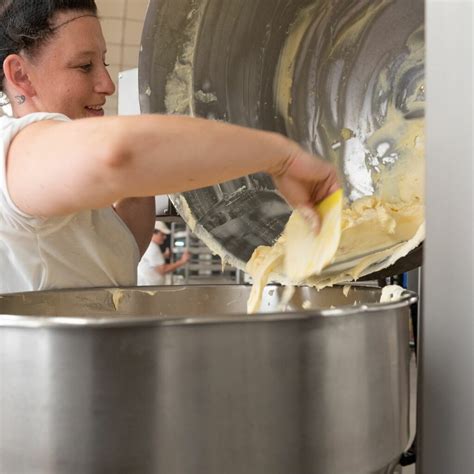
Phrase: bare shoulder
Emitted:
{"points": [[53, 169], [29, 137]]}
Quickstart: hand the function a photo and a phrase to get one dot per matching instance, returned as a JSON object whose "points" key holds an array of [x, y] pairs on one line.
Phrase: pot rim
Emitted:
{"points": [[407, 298]]}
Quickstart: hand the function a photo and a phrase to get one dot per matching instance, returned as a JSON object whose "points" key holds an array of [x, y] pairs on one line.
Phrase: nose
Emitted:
{"points": [[104, 84]]}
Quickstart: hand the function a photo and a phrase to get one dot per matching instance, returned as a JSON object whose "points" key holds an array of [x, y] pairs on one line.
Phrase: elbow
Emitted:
{"points": [[115, 152]]}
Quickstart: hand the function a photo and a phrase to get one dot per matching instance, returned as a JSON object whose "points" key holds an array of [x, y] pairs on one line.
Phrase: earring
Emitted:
{"points": [[20, 99], [3, 99]]}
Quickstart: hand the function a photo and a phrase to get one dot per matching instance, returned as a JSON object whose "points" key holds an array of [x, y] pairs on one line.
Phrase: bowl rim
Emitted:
{"points": [[406, 299]]}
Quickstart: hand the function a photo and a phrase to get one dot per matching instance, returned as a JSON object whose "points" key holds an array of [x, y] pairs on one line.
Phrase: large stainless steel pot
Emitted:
{"points": [[177, 380], [326, 73]]}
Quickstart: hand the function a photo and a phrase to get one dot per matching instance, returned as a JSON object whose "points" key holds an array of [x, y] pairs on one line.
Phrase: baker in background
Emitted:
{"points": [[153, 267], [76, 188]]}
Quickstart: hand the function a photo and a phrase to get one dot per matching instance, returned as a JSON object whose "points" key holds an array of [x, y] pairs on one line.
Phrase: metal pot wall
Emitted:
{"points": [[177, 380], [322, 72]]}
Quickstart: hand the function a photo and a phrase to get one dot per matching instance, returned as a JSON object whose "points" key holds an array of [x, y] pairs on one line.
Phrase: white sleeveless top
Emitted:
{"points": [[88, 249]]}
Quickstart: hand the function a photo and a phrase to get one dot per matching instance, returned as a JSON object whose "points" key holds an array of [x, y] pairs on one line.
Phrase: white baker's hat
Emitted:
{"points": [[162, 227]]}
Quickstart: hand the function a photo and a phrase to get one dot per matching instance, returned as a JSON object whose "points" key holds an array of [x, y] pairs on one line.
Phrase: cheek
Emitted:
{"points": [[70, 90], [73, 98], [57, 92]]}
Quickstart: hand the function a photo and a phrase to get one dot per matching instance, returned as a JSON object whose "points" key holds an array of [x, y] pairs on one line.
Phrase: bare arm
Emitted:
{"points": [[139, 215], [91, 163], [171, 267]]}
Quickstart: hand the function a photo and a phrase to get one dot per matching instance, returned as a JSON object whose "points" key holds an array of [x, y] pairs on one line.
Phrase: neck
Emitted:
{"points": [[20, 110]]}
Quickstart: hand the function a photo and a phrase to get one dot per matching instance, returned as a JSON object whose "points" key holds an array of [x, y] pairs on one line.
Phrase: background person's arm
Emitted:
{"points": [[171, 267]]}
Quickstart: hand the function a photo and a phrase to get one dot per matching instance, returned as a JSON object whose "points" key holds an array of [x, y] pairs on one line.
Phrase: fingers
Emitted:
{"points": [[307, 181], [304, 182], [186, 256], [327, 184], [311, 217]]}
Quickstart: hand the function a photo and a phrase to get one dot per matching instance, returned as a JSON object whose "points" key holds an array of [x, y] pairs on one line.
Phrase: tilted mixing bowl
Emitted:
{"points": [[323, 72]]}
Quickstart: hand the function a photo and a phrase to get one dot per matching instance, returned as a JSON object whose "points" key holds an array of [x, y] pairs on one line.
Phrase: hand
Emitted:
{"points": [[167, 253], [185, 257], [304, 180]]}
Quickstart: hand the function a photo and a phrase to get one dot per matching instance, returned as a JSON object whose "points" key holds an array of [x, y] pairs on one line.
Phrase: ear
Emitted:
{"points": [[15, 69]]}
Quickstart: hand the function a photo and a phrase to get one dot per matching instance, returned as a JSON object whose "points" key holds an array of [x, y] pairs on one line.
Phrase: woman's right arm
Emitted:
{"points": [[57, 168]]}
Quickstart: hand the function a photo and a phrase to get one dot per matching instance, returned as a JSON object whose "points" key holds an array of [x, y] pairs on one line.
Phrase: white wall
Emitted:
{"points": [[122, 23]]}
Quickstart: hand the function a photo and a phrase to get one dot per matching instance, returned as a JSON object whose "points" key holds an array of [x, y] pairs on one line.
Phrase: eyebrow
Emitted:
{"points": [[88, 53], [85, 54]]}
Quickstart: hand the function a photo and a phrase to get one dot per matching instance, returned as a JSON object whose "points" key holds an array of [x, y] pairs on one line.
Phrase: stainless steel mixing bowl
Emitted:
{"points": [[177, 380], [323, 72]]}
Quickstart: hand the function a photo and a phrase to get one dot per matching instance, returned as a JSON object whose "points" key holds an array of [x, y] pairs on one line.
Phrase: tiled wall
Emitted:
{"points": [[122, 23]]}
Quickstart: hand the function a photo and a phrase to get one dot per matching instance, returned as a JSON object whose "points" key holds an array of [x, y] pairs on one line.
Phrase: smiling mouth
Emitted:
{"points": [[95, 109]]}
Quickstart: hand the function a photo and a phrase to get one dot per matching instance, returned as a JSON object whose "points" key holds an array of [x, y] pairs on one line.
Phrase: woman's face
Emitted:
{"points": [[68, 73], [159, 238]]}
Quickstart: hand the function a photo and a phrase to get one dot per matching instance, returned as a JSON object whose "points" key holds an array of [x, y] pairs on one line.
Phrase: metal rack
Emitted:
{"points": [[203, 266]]}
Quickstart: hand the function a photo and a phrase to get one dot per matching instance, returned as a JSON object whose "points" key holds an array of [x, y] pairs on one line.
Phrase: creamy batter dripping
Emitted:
{"points": [[375, 231]]}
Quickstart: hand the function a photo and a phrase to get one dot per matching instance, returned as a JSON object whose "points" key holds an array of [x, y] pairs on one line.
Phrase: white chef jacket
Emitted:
{"points": [[147, 274]]}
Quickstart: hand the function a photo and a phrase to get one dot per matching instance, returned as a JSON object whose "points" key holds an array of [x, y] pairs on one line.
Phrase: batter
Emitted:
{"points": [[374, 231]]}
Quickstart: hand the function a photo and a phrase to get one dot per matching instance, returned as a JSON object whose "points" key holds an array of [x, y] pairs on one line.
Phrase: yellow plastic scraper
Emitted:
{"points": [[306, 253]]}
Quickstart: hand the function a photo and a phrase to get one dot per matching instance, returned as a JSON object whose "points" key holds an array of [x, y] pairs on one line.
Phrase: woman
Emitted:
{"points": [[63, 164], [152, 269]]}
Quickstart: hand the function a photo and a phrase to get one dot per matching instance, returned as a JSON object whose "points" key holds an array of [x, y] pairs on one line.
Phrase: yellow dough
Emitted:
{"points": [[299, 252], [359, 238], [265, 261]]}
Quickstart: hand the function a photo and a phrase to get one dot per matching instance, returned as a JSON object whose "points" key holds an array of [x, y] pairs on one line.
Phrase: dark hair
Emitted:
{"points": [[26, 24]]}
